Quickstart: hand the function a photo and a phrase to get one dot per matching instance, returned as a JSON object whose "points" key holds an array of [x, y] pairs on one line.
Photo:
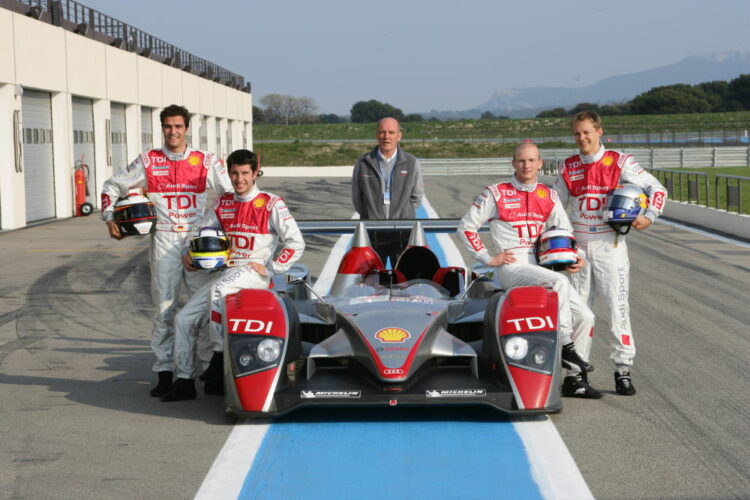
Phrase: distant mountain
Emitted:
{"points": [[527, 102]]}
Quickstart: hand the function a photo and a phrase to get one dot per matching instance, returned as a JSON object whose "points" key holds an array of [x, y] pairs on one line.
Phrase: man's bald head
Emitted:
{"points": [[388, 135], [525, 149]]}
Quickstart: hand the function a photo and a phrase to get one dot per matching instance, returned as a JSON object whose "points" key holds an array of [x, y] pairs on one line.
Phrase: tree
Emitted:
{"points": [[679, 98], [553, 113], [330, 118], [412, 117], [372, 111], [287, 109], [584, 106], [739, 90], [258, 115]]}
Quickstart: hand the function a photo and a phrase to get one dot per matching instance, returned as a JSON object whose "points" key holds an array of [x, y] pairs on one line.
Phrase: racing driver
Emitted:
{"points": [[583, 183], [175, 179], [254, 221], [519, 211]]}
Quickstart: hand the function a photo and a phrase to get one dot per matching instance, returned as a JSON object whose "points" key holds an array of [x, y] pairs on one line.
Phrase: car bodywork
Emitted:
{"points": [[416, 335]]}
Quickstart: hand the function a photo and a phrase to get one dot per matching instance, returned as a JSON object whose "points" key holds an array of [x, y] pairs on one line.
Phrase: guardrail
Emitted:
{"points": [[732, 156], [687, 187], [466, 166], [78, 18], [733, 193]]}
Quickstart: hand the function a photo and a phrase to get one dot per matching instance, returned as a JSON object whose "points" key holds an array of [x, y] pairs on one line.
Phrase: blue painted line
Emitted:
{"points": [[391, 457]]}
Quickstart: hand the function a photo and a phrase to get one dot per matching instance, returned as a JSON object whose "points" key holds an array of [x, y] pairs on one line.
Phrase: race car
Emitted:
{"points": [[419, 334]]}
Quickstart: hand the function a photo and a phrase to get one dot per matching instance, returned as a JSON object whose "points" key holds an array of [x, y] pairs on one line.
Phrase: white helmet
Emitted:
{"points": [[209, 249], [624, 204], [556, 249], [135, 215]]}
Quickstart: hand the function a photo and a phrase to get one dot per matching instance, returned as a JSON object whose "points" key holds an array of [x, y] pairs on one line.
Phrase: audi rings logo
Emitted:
{"points": [[393, 371]]}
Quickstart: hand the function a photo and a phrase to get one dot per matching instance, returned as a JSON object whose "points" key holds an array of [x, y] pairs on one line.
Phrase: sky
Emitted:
{"points": [[421, 55]]}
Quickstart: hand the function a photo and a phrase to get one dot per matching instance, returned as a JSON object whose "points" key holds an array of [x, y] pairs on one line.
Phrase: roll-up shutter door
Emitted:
{"points": [[202, 133], [83, 143], [229, 137], [147, 129], [39, 179], [119, 137]]}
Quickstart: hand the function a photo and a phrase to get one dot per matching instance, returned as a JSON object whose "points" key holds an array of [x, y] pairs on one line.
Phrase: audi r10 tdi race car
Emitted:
{"points": [[417, 335]]}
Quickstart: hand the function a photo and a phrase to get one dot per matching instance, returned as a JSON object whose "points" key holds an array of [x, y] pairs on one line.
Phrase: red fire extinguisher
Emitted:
{"points": [[80, 174]]}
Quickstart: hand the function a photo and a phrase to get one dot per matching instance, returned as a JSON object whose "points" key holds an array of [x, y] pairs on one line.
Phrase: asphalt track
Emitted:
{"points": [[77, 421]]}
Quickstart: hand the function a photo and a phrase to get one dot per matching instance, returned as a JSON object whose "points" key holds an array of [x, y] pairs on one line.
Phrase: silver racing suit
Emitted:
{"points": [[254, 225], [518, 213], [177, 185], [583, 183]]}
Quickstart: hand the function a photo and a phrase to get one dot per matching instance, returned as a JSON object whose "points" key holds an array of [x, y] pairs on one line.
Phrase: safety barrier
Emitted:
{"points": [[732, 156], [466, 166]]}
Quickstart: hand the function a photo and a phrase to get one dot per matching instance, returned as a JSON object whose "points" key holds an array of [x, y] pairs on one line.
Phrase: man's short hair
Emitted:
{"points": [[588, 115], [175, 110], [243, 157]]}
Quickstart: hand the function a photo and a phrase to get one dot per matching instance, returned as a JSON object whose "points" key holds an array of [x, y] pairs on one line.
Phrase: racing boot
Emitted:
{"points": [[214, 376], [576, 386], [215, 367], [182, 389], [571, 357], [165, 383], [623, 383]]}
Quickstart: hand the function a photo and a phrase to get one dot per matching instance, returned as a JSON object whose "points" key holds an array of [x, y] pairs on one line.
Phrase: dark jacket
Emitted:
{"points": [[407, 187]]}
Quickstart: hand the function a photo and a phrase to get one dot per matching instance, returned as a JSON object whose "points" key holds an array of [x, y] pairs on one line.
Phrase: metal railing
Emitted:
{"points": [[466, 166], [733, 192], [687, 188], [78, 18], [732, 156]]}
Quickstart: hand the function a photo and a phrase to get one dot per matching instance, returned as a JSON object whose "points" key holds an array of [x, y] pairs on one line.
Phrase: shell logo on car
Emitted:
{"points": [[392, 334]]}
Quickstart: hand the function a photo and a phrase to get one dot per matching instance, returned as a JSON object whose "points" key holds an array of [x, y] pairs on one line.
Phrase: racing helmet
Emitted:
{"points": [[209, 249], [556, 249], [135, 215], [624, 204]]}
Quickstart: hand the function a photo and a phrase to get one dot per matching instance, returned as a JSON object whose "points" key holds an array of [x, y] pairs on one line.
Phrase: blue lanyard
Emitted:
{"points": [[388, 179]]}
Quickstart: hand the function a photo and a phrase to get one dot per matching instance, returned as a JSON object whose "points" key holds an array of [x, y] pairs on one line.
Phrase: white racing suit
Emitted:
{"points": [[518, 213], [254, 225], [583, 183], [176, 184]]}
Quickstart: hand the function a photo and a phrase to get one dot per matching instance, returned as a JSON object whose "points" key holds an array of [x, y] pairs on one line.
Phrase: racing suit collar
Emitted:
{"points": [[250, 195], [176, 156], [521, 186], [595, 157]]}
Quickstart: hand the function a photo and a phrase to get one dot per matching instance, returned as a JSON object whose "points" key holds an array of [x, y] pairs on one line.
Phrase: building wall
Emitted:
{"points": [[37, 55]]}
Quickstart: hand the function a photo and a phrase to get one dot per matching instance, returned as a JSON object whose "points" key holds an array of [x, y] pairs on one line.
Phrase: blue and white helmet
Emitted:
{"points": [[556, 249], [624, 204]]}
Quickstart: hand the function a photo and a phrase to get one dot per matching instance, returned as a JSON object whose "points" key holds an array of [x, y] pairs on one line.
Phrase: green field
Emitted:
{"points": [[484, 129]]}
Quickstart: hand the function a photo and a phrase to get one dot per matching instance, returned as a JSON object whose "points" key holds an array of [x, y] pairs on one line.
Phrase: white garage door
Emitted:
{"points": [[118, 137], [39, 177], [83, 143]]}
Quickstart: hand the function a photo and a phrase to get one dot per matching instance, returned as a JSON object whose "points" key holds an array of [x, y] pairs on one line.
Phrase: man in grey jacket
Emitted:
{"points": [[387, 184]]}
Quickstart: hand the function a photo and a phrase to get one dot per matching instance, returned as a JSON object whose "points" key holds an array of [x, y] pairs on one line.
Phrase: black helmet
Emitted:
{"points": [[135, 215]]}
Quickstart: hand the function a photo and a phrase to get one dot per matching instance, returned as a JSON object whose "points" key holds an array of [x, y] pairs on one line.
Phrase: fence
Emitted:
{"points": [[466, 166], [734, 156], [78, 18]]}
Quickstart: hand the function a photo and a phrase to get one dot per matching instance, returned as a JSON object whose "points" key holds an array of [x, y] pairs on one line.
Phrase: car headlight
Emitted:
{"points": [[540, 356], [269, 350], [516, 348], [245, 359]]}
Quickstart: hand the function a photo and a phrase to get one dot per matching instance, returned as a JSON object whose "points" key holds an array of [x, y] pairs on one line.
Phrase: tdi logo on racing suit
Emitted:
{"points": [[250, 326], [242, 242], [473, 238], [531, 323], [181, 201], [591, 203]]}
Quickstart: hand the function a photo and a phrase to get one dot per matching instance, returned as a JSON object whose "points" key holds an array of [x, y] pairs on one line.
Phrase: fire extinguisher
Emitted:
{"points": [[80, 175]]}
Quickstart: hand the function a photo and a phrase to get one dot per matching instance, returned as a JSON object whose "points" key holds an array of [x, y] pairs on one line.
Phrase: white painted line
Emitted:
{"points": [[227, 474], [704, 233], [552, 465]]}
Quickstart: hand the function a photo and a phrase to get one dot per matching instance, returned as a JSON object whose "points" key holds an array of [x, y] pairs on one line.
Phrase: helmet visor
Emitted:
{"points": [[557, 243], [204, 244], [621, 202], [137, 211]]}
